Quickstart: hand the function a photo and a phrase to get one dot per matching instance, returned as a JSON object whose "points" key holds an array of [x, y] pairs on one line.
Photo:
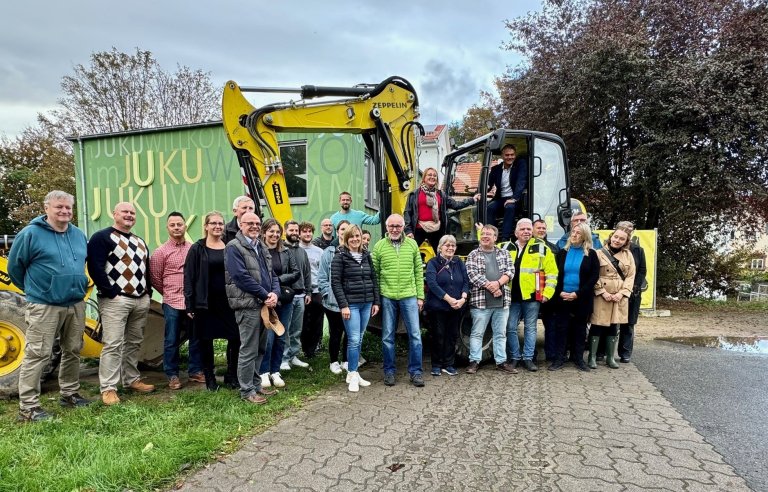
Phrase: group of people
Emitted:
{"points": [[266, 289]]}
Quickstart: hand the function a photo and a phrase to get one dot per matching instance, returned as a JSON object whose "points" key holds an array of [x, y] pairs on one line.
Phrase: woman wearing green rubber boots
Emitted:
{"points": [[612, 292]]}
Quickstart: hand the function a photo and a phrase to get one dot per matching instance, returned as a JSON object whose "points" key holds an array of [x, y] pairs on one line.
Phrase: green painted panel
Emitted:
{"points": [[194, 171]]}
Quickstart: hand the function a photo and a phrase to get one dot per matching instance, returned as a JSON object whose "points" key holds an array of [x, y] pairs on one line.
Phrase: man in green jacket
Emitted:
{"points": [[397, 262]]}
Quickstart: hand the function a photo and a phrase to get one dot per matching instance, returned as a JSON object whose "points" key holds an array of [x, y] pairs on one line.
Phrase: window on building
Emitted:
{"points": [[294, 157], [369, 185], [757, 264]]}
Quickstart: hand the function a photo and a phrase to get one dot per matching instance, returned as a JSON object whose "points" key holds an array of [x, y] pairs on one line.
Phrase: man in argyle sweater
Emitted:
{"points": [[118, 263]]}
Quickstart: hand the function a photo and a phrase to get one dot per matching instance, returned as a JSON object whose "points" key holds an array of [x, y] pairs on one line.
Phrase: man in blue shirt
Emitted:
{"points": [[351, 215], [47, 262]]}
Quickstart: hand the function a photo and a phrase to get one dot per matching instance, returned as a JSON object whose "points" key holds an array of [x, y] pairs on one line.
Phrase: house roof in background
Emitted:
{"points": [[433, 132]]}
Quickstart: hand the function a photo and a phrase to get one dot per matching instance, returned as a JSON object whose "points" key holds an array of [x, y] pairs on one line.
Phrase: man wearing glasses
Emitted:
{"points": [[397, 263], [250, 284], [577, 218]]}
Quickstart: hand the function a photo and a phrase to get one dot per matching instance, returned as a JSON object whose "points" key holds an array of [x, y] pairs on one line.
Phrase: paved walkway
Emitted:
{"points": [[606, 430]]}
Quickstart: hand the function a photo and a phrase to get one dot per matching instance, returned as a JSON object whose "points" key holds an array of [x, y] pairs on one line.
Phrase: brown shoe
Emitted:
{"points": [[267, 392], [110, 398], [473, 367], [140, 387], [256, 398], [173, 383], [197, 378], [506, 367]]}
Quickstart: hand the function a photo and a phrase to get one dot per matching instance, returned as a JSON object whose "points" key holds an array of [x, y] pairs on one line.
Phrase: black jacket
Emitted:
{"points": [[196, 277], [411, 214], [518, 178], [354, 282], [641, 270], [230, 230], [589, 273]]}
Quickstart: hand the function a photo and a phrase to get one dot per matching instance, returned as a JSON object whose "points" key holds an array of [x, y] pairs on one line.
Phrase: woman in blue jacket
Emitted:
{"points": [[447, 292]]}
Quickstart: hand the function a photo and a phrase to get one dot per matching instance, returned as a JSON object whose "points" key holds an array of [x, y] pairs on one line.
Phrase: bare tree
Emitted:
{"points": [[120, 91]]}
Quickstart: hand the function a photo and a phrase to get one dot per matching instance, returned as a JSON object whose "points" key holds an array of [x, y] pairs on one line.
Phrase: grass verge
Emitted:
{"points": [[144, 443]]}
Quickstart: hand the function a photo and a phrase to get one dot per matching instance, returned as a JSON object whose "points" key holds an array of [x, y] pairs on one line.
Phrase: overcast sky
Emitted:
{"points": [[449, 50]]}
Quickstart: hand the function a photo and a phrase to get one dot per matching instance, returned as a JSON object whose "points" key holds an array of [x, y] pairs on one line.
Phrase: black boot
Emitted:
{"points": [[210, 380]]}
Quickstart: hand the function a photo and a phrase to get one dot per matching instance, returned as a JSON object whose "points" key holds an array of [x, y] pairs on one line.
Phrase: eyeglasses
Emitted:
{"points": [[215, 223], [251, 224], [395, 226]]}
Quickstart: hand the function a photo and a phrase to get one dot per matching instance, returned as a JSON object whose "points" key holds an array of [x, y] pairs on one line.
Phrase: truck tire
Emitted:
{"points": [[462, 343], [13, 330]]}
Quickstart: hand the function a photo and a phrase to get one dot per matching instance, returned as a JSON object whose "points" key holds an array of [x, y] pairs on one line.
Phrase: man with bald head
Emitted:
{"points": [[118, 264], [250, 285], [397, 263]]}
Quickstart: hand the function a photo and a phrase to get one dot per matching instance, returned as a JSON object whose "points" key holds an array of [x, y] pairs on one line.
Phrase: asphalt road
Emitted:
{"points": [[723, 394]]}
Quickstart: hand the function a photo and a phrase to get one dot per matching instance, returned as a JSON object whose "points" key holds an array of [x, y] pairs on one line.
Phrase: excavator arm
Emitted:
{"points": [[384, 114]]}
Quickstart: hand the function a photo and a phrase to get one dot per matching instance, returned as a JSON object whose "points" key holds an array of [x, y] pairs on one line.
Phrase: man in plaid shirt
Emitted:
{"points": [[166, 269], [489, 269]]}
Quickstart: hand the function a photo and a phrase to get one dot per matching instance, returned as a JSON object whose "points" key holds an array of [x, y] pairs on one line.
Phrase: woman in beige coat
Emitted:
{"points": [[612, 291]]}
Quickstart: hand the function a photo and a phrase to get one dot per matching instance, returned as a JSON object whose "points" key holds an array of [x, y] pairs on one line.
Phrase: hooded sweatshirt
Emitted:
{"points": [[49, 266]]}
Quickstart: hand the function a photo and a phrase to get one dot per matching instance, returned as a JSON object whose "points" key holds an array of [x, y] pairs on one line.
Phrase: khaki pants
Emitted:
{"points": [[43, 323], [122, 320]]}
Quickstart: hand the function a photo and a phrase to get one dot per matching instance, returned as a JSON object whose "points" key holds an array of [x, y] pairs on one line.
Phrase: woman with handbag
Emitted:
{"points": [[286, 269], [206, 298], [612, 292], [426, 214], [357, 295], [447, 292]]}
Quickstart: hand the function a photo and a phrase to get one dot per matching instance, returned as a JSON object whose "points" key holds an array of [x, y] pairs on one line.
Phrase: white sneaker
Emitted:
{"points": [[354, 382], [335, 368], [265, 382], [285, 366], [277, 380], [361, 362], [297, 362], [362, 382], [345, 366]]}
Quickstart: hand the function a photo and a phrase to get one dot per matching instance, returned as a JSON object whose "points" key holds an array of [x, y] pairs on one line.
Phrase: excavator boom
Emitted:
{"points": [[384, 114]]}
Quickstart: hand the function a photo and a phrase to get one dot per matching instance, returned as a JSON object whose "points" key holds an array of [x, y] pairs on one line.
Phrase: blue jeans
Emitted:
{"points": [[355, 327], [530, 313], [498, 319], [172, 342], [273, 354], [409, 309], [495, 209], [293, 332]]}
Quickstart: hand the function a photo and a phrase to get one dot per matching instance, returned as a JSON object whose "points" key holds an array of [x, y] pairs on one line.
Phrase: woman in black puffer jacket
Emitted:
{"points": [[357, 294]]}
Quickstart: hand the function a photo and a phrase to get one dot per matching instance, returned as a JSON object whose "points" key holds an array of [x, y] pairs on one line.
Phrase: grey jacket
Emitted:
{"points": [[243, 274]]}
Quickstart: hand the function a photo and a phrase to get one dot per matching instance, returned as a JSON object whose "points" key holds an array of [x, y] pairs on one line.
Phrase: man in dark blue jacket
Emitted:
{"points": [[47, 262], [509, 180]]}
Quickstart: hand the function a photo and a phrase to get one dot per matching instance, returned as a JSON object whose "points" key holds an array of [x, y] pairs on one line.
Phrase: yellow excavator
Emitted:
{"points": [[384, 114]]}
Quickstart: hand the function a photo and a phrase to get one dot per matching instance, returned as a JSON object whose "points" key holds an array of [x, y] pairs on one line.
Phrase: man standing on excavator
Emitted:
{"points": [[356, 217]]}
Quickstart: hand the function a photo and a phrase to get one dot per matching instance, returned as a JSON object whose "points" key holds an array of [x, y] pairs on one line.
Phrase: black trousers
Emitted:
{"points": [[337, 335], [433, 237], [443, 332], [569, 332], [626, 340], [603, 331], [312, 331]]}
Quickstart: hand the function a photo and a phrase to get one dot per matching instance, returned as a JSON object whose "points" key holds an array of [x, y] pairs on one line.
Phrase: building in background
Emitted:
{"points": [[435, 145]]}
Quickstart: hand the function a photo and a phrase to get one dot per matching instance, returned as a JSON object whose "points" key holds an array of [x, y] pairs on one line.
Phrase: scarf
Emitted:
{"points": [[431, 200]]}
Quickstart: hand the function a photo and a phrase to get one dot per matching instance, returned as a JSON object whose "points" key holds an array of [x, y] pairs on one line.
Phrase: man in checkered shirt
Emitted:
{"points": [[489, 270], [118, 263], [166, 269]]}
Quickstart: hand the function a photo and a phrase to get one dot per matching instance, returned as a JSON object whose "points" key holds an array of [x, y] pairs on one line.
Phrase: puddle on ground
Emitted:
{"points": [[752, 345]]}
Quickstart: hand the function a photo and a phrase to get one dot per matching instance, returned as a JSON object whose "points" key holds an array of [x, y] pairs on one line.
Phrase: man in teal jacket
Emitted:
{"points": [[397, 262], [47, 262]]}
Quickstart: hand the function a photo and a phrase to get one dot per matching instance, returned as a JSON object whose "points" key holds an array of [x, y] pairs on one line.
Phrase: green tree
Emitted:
{"points": [[664, 110], [31, 165]]}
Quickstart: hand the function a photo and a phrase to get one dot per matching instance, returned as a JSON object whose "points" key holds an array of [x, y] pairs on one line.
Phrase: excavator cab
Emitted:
{"points": [[546, 195]]}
